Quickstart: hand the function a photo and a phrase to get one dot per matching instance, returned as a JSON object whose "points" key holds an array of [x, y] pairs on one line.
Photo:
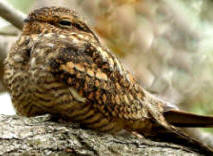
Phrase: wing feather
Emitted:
{"points": [[88, 69]]}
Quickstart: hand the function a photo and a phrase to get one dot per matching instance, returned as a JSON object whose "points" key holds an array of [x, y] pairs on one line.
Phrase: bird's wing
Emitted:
{"points": [[98, 76]]}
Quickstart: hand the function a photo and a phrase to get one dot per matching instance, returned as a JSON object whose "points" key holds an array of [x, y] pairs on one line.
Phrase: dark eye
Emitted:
{"points": [[65, 23]]}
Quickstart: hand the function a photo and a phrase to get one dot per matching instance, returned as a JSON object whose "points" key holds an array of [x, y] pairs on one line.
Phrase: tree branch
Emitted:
{"points": [[11, 14], [40, 136]]}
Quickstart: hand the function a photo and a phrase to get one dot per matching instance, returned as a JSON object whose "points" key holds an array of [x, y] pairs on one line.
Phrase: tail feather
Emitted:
{"points": [[177, 136], [165, 121], [185, 119]]}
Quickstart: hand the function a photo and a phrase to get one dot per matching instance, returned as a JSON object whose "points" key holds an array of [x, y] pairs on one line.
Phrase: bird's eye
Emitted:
{"points": [[65, 23]]}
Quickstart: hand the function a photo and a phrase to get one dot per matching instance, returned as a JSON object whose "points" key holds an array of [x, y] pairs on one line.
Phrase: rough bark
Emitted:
{"points": [[41, 136]]}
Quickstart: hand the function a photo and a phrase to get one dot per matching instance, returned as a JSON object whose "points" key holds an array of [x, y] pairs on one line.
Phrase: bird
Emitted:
{"points": [[59, 66]]}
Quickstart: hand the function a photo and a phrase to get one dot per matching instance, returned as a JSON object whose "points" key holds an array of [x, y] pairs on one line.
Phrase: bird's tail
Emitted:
{"points": [[177, 136], [167, 121], [185, 119]]}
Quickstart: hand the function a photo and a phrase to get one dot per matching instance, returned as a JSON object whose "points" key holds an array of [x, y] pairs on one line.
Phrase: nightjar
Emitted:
{"points": [[59, 66]]}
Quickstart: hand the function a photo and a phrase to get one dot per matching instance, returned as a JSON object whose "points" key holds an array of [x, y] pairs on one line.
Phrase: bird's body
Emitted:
{"points": [[94, 94], [59, 66]]}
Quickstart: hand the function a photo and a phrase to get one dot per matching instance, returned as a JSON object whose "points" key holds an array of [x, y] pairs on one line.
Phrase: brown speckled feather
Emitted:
{"points": [[59, 66]]}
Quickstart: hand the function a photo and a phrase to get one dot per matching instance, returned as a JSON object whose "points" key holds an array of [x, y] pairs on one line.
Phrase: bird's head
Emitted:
{"points": [[55, 20]]}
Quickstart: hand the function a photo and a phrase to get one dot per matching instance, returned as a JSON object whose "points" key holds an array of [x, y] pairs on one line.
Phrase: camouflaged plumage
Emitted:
{"points": [[59, 66]]}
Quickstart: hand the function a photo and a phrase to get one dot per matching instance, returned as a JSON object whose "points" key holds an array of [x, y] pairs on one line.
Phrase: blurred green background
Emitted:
{"points": [[168, 44], [22, 5]]}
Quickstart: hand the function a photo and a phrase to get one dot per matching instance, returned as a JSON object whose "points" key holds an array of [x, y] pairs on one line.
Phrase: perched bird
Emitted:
{"points": [[59, 66]]}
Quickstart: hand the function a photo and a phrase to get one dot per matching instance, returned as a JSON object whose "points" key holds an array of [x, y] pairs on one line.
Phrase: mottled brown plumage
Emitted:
{"points": [[59, 66]]}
